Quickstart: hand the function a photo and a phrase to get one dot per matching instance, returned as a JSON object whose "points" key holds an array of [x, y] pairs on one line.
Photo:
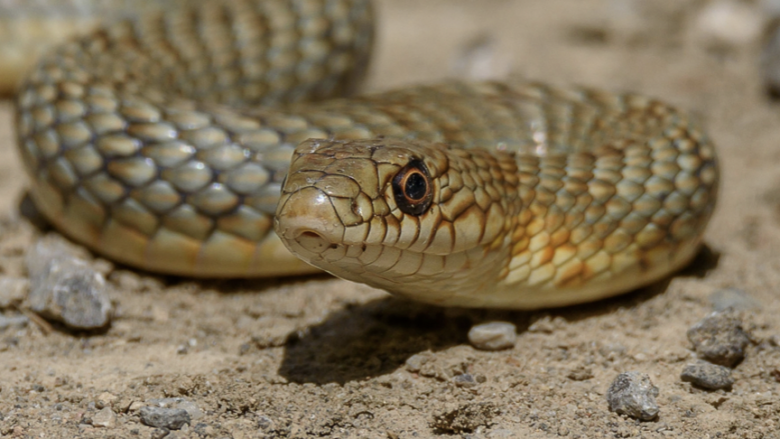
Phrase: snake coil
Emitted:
{"points": [[162, 142]]}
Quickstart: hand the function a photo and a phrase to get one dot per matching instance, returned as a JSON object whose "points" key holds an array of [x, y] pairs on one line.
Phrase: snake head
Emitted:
{"points": [[415, 218]]}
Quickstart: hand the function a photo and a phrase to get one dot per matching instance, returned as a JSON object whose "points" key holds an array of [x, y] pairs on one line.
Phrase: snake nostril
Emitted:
{"points": [[315, 242], [310, 234]]}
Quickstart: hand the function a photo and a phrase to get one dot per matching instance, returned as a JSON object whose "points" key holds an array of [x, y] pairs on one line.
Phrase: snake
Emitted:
{"points": [[225, 139]]}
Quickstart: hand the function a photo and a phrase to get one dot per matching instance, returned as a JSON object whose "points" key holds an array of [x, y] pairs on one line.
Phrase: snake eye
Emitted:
{"points": [[412, 188]]}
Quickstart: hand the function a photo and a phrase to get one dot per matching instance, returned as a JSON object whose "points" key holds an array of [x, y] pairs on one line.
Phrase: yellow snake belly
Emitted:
{"points": [[164, 141]]}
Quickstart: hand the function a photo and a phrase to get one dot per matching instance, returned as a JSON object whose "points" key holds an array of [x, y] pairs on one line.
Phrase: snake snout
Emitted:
{"points": [[308, 218]]}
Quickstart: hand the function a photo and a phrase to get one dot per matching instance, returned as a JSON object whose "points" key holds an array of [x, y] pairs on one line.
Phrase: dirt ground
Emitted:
{"points": [[324, 357]]}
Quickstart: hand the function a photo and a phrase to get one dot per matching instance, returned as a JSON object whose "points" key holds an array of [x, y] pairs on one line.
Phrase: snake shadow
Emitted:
{"points": [[374, 339]]}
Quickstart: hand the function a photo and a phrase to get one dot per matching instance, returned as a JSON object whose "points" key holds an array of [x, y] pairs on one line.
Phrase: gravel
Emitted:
{"points": [[719, 338], [159, 417], [104, 418], [493, 336], [65, 288], [633, 394], [707, 375]]}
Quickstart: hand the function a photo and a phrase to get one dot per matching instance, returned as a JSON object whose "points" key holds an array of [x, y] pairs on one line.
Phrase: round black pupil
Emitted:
{"points": [[416, 186]]}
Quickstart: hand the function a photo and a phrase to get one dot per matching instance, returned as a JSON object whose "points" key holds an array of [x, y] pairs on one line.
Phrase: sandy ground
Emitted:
{"points": [[324, 357]]}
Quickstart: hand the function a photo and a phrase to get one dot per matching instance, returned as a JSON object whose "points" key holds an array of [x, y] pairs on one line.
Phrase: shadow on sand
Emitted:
{"points": [[376, 338]]}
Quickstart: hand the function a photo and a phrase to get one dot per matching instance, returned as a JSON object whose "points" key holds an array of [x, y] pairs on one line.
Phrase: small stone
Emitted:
{"points": [[464, 380], [732, 298], [159, 433], [264, 422], [707, 375], [493, 336], [104, 418], [171, 419], [105, 399], [417, 361], [719, 338], [580, 373], [465, 418], [65, 288], [190, 407], [633, 394], [728, 24]]}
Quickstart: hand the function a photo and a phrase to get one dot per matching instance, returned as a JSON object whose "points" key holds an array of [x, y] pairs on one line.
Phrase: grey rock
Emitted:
{"points": [[264, 422], [178, 403], [104, 418], [719, 338], [707, 375], [464, 380], [417, 361], [633, 394], [65, 288], [493, 336], [159, 417], [732, 298]]}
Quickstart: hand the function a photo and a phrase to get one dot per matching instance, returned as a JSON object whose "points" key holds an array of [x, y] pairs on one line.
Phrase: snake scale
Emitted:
{"points": [[178, 141]]}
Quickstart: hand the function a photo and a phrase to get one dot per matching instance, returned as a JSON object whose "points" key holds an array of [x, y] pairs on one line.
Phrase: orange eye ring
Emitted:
{"points": [[413, 188]]}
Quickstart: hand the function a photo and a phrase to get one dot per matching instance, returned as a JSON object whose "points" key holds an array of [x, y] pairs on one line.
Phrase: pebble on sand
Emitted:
{"points": [[719, 338], [171, 419], [728, 23], [65, 288], [466, 418], [633, 394], [493, 336], [707, 375], [104, 418]]}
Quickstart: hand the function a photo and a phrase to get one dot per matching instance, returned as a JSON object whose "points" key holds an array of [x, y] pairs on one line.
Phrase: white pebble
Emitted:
{"points": [[728, 23], [493, 336], [104, 418]]}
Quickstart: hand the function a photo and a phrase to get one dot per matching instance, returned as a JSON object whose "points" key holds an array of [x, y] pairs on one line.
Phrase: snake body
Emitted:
{"points": [[164, 142]]}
